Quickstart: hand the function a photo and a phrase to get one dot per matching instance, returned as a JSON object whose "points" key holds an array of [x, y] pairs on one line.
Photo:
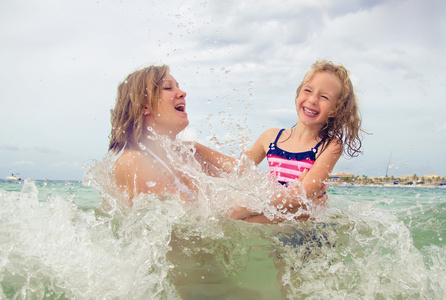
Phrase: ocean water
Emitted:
{"points": [[367, 243]]}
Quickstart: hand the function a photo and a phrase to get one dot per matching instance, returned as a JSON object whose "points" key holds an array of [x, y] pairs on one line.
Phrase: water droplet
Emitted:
{"points": [[150, 184]]}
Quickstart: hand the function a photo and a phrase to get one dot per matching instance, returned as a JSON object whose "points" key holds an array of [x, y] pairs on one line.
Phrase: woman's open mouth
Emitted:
{"points": [[181, 107]]}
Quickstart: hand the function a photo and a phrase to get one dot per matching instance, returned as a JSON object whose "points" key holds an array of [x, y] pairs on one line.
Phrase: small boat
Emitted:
{"points": [[13, 178]]}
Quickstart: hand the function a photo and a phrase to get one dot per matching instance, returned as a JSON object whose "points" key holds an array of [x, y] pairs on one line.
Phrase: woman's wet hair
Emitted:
{"points": [[139, 90]]}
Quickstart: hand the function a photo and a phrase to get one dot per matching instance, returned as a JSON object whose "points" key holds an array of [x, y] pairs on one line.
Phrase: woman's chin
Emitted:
{"points": [[184, 124]]}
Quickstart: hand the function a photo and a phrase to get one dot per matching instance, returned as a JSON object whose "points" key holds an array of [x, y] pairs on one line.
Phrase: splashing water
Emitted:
{"points": [[366, 244]]}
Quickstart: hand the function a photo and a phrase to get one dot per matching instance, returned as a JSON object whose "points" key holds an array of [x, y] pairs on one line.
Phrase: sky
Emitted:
{"points": [[240, 63]]}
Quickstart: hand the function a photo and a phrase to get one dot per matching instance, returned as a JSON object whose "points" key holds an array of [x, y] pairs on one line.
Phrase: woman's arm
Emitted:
{"points": [[256, 153], [215, 158], [259, 149]]}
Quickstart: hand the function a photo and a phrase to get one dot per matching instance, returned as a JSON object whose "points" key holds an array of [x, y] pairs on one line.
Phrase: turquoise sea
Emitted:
{"points": [[367, 243]]}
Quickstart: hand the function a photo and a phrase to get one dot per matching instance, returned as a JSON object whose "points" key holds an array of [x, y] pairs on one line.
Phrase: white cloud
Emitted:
{"points": [[61, 63], [9, 147], [66, 165], [23, 163]]}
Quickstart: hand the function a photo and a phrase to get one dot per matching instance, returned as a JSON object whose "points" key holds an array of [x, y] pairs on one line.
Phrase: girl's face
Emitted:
{"points": [[169, 117], [317, 98]]}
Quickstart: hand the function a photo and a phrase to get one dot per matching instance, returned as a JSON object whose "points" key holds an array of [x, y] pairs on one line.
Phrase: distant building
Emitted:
{"points": [[342, 177]]}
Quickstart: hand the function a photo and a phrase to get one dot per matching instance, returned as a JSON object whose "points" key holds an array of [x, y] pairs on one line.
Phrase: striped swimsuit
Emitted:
{"points": [[288, 166]]}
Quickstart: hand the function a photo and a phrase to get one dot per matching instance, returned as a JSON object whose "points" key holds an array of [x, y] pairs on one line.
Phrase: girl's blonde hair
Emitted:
{"points": [[344, 122], [134, 93]]}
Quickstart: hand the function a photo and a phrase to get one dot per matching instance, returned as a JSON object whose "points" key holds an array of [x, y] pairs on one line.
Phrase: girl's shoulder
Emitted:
{"points": [[280, 134], [271, 133], [334, 146]]}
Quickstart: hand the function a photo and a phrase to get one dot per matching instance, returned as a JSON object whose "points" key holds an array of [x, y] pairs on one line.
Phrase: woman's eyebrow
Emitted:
{"points": [[170, 81]]}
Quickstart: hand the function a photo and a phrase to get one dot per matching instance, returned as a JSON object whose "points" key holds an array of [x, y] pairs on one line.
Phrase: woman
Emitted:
{"points": [[150, 106], [148, 98]]}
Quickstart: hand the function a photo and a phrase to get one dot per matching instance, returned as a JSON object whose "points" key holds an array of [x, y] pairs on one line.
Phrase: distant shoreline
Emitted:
{"points": [[330, 182], [430, 180], [386, 185], [43, 180]]}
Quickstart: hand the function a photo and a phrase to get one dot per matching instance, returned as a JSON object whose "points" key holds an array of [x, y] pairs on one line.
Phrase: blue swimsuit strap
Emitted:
{"points": [[278, 136], [273, 145]]}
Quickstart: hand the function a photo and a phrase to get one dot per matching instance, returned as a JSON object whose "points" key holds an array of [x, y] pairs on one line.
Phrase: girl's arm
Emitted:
{"points": [[292, 201], [322, 168], [257, 153], [312, 180]]}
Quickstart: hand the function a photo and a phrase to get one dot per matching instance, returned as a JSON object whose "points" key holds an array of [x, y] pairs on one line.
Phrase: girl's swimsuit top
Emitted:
{"points": [[184, 189], [288, 166]]}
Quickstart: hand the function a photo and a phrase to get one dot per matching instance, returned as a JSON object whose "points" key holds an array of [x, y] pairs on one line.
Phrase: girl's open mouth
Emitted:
{"points": [[310, 112]]}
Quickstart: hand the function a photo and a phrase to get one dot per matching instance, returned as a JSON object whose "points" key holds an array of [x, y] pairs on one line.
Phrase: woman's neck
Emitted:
{"points": [[154, 143], [153, 129]]}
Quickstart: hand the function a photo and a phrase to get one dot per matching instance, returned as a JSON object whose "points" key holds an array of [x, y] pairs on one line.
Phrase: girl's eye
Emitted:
{"points": [[325, 97], [307, 90]]}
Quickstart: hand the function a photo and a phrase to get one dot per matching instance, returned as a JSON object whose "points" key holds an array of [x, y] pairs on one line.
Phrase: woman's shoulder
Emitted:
{"points": [[129, 160], [128, 156]]}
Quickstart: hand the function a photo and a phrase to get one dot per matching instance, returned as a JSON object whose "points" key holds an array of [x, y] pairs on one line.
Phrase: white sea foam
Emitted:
{"points": [[164, 248]]}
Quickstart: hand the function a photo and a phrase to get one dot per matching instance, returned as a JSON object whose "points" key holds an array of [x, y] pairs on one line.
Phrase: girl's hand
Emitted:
{"points": [[320, 196]]}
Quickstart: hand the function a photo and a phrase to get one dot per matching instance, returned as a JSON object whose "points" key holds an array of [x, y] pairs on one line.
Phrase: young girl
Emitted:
{"points": [[328, 125]]}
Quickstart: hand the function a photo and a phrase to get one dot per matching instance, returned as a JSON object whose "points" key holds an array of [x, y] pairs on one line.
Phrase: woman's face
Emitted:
{"points": [[169, 116]]}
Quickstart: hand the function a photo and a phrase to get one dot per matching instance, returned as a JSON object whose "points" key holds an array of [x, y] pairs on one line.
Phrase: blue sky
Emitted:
{"points": [[240, 63]]}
